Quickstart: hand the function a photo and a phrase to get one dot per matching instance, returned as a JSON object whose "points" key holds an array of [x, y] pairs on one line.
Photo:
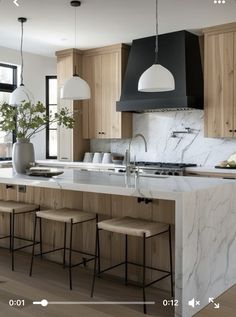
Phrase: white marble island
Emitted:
{"points": [[205, 224]]}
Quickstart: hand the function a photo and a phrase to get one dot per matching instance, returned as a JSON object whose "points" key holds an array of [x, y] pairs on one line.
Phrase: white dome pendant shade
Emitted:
{"points": [[75, 88], [21, 94], [156, 78]]}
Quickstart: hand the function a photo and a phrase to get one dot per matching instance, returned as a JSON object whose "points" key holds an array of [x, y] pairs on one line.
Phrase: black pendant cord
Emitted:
{"points": [[75, 29], [21, 53], [75, 73], [75, 4], [156, 46]]}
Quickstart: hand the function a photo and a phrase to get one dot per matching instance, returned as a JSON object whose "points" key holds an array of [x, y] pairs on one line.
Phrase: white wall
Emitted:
{"points": [[187, 148], [36, 67]]}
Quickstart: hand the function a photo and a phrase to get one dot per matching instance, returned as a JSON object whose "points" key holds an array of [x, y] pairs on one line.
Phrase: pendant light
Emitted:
{"points": [[21, 93], [156, 78], [75, 88]]}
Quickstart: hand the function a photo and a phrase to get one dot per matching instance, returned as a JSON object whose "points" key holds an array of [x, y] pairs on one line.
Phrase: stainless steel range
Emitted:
{"points": [[160, 168]]}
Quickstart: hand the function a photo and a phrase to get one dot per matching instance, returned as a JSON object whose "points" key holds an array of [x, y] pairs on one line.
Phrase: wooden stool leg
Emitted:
{"points": [[70, 253], [12, 241], [64, 251], [126, 259], [95, 261], [33, 247], [144, 273], [171, 265]]}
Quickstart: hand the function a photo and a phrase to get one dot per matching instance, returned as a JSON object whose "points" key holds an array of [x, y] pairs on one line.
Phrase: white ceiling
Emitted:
{"points": [[50, 25]]}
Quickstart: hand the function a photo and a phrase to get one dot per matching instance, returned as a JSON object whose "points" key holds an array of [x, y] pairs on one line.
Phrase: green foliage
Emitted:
{"points": [[28, 119]]}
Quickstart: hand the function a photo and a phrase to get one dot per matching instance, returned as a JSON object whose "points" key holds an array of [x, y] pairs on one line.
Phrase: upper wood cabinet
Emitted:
{"points": [[71, 145], [220, 81], [103, 69]]}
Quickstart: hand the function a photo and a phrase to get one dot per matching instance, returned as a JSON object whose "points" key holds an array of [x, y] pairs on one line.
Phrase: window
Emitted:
{"points": [[8, 83], [51, 105]]}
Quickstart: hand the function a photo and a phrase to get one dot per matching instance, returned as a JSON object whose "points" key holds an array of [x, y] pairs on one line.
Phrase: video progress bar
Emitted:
{"points": [[45, 303]]}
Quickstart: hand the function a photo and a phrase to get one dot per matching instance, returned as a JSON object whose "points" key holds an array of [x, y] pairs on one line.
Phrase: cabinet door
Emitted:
{"points": [[92, 108], [111, 86], [219, 85]]}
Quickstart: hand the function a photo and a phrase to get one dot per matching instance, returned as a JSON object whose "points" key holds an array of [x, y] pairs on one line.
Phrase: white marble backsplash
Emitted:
{"points": [[187, 148]]}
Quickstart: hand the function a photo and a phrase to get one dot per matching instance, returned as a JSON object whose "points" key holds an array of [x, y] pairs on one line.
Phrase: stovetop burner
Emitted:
{"points": [[165, 164]]}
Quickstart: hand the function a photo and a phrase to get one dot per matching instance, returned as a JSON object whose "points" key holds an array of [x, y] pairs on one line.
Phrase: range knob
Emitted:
{"points": [[163, 173], [157, 173], [170, 173], [176, 173]]}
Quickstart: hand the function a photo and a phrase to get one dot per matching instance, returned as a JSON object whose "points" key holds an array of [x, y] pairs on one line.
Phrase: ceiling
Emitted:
{"points": [[50, 25]]}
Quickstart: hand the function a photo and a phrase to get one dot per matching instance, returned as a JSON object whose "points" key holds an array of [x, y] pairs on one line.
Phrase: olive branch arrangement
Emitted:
{"points": [[27, 119]]}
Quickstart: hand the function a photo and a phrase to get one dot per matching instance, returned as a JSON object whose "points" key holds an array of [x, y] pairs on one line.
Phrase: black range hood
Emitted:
{"points": [[180, 53]]}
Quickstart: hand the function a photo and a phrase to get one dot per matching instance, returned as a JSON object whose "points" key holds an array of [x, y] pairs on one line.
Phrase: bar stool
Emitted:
{"points": [[69, 217], [13, 209], [140, 228]]}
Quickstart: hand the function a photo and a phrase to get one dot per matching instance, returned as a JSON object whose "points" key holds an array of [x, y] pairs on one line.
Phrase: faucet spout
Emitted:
{"points": [[131, 168], [140, 136]]}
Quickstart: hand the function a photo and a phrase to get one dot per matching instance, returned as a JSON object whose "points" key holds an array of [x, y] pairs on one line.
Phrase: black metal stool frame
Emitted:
{"points": [[143, 265], [70, 265], [12, 236]]}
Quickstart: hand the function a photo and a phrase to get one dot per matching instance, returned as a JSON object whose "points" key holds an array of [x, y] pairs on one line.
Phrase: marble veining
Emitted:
{"points": [[186, 148]]}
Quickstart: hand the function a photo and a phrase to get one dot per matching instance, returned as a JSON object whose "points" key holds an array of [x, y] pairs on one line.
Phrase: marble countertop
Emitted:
{"points": [[57, 163], [112, 166], [100, 166], [162, 187]]}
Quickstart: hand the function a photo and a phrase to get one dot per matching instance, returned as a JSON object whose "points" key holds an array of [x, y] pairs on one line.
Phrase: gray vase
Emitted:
{"points": [[22, 155]]}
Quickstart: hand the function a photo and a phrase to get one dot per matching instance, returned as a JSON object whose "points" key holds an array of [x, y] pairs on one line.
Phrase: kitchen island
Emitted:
{"points": [[204, 217]]}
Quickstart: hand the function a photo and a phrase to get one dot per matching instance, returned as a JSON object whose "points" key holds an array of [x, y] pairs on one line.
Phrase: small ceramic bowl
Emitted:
{"points": [[97, 158]]}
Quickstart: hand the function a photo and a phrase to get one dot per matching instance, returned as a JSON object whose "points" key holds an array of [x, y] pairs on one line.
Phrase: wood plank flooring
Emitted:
{"points": [[50, 281], [227, 308]]}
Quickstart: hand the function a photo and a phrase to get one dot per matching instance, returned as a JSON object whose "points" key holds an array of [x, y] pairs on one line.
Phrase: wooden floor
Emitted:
{"points": [[227, 307], [50, 281]]}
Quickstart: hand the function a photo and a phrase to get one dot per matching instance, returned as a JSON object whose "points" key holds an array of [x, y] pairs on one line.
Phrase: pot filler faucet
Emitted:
{"points": [[130, 167]]}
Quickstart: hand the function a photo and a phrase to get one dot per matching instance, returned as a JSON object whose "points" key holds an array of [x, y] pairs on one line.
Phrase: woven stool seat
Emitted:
{"points": [[133, 226], [65, 215], [15, 206]]}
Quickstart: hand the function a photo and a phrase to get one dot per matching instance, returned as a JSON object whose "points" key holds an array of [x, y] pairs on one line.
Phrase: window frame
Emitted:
{"points": [[9, 87], [47, 113]]}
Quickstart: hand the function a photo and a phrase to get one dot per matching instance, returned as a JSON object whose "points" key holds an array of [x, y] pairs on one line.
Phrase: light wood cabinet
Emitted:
{"points": [[103, 69], [220, 81], [71, 145]]}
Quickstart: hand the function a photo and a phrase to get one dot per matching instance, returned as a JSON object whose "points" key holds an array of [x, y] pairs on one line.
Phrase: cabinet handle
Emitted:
{"points": [[103, 133], [99, 132], [231, 130]]}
